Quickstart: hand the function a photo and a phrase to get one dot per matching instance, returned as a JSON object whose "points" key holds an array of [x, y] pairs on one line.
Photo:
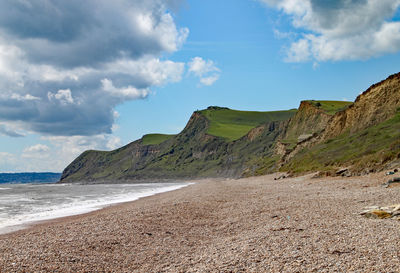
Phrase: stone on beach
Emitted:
{"points": [[222, 226], [376, 212]]}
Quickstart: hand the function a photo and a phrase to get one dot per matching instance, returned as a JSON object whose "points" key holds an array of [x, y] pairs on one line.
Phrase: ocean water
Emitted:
{"points": [[23, 204]]}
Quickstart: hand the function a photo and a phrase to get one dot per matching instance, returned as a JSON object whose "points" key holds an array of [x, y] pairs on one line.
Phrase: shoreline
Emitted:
{"points": [[60, 214], [254, 224]]}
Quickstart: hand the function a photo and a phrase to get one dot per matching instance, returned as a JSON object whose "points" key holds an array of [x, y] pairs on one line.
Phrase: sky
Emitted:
{"points": [[100, 74]]}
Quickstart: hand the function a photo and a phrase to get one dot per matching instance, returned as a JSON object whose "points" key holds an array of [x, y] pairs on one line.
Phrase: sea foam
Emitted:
{"points": [[27, 204]]}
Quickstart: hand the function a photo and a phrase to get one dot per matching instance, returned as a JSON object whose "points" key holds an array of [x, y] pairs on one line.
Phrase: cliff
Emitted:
{"points": [[375, 105], [234, 150], [363, 138], [326, 136], [306, 126], [311, 118]]}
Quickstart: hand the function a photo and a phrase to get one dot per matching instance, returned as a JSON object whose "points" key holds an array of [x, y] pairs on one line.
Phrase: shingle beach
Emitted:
{"points": [[249, 225]]}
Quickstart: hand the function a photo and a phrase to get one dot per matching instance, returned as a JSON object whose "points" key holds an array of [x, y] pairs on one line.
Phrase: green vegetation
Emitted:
{"points": [[154, 139], [329, 106], [191, 153], [371, 147], [212, 143], [233, 124]]}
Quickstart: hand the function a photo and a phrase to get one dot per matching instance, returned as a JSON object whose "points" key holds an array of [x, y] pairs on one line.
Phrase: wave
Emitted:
{"points": [[78, 205]]}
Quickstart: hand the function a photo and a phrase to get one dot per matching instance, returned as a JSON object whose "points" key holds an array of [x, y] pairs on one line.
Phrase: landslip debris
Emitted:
{"points": [[376, 212], [391, 181]]}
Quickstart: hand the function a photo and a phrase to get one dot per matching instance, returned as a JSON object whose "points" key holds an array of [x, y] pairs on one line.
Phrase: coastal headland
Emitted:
{"points": [[256, 224]]}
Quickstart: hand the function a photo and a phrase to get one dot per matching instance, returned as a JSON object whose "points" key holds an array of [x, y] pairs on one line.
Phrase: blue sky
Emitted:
{"points": [[145, 66]]}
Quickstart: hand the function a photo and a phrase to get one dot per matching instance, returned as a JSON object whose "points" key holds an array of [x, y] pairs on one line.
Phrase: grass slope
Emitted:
{"points": [[154, 139], [368, 148], [329, 106], [232, 124]]}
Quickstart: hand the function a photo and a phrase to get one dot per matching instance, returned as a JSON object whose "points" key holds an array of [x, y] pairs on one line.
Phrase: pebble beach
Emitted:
{"points": [[256, 224]]}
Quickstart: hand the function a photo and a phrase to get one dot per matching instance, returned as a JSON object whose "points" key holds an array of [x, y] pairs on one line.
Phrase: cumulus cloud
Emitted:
{"points": [[209, 80], [129, 92], [75, 33], [206, 70], [66, 149], [199, 66], [66, 65], [4, 130], [113, 143], [36, 151], [341, 30], [63, 96], [54, 153], [4, 155], [24, 97], [38, 148]]}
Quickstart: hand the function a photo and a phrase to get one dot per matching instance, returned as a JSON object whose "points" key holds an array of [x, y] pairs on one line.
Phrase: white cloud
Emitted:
{"points": [[10, 130], [113, 143], [48, 73], [128, 92], [152, 71], [206, 70], [24, 97], [340, 30], [209, 80], [200, 67], [87, 62], [299, 51], [38, 148], [63, 96], [4, 156], [38, 151], [66, 149], [55, 153]]}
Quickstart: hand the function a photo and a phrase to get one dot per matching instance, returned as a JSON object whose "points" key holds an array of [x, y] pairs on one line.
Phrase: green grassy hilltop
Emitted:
{"points": [[154, 139], [232, 124], [360, 136], [329, 106]]}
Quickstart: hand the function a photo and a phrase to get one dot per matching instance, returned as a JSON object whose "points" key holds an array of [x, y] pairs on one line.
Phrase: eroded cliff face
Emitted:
{"points": [[372, 107], [302, 130], [362, 138], [308, 120], [366, 131]]}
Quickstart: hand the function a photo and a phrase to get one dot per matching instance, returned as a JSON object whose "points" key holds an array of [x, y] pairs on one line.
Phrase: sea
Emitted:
{"points": [[24, 204]]}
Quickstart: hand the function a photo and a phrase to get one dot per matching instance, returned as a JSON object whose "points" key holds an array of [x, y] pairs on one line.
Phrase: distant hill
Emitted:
{"points": [[29, 177], [327, 136]]}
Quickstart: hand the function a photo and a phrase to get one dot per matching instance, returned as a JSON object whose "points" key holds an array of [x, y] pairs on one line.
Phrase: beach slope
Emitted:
{"points": [[248, 225]]}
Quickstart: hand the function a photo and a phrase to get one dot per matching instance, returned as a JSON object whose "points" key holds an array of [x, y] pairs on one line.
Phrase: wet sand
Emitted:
{"points": [[247, 225]]}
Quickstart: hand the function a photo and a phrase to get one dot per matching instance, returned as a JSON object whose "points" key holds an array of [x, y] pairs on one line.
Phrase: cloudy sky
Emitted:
{"points": [[98, 74]]}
